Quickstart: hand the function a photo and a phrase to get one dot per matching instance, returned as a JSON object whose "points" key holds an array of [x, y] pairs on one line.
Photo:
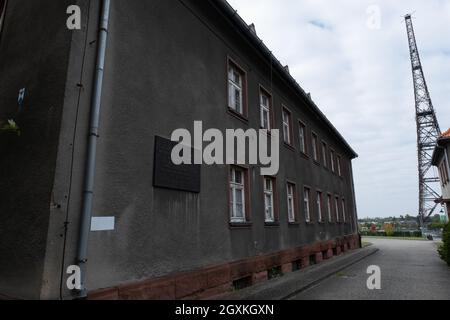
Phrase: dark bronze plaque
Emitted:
{"points": [[170, 176]]}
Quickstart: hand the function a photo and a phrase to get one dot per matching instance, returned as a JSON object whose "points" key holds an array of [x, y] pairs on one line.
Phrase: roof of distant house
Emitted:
{"points": [[446, 134]]}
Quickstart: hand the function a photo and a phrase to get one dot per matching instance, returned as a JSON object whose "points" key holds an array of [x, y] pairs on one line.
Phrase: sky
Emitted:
{"points": [[353, 56]]}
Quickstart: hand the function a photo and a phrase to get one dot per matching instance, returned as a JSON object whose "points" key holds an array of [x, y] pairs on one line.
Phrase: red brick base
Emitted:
{"points": [[216, 280]]}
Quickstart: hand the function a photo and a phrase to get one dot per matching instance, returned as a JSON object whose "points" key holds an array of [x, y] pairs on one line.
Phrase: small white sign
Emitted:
{"points": [[103, 223]]}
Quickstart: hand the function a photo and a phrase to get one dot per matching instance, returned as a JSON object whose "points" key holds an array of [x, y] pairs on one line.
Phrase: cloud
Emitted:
{"points": [[361, 79]]}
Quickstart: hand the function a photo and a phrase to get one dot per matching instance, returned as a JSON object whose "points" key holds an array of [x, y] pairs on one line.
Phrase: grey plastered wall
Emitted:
{"points": [[166, 68], [34, 51]]}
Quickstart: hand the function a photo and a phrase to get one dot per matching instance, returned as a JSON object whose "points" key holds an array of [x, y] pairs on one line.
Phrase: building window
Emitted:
{"points": [[338, 164], [324, 154], [291, 202], [236, 89], [329, 208], [336, 210], [238, 195], [302, 137], [2, 13], [287, 126], [306, 203], [265, 102], [319, 206], [344, 218], [269, 191], [333, 168], [315, 147]]}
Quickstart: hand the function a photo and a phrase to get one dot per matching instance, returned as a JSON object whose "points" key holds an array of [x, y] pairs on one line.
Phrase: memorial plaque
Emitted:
{"points": [[170, 176]]}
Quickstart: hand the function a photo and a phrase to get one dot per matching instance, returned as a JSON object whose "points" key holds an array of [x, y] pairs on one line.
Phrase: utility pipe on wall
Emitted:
{"points": [[88, 192]]}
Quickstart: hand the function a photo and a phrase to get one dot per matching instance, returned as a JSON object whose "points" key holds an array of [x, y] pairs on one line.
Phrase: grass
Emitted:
{"points": [[396, 238]]}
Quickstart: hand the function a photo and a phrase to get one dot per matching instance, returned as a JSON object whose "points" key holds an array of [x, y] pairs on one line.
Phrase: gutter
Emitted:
{"points": [[232, 14], [89, 176]]}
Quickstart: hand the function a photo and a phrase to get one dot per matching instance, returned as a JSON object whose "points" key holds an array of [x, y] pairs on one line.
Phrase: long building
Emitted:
{"points": [[158, 231]]}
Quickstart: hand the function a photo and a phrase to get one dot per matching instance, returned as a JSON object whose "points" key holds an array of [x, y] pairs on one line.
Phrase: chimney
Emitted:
{"points": [[252, 28], [287, 69]]}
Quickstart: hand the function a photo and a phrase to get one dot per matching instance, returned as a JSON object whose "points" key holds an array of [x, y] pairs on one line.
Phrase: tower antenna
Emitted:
{"points": [[428, 131]]}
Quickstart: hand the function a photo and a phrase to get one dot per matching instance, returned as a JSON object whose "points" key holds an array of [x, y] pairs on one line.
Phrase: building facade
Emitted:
{"points": [[441, 161], [193, 232]]}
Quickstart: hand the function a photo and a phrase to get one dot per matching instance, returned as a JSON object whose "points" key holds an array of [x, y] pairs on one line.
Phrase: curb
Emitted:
{"points": [[294, 283]]}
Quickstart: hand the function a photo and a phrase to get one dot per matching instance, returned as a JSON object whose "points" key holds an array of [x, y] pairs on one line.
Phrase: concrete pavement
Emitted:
{"points": [[410, 270]]}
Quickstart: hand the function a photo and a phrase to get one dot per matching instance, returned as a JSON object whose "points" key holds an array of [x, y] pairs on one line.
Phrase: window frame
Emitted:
{"points": [[319, 206], [304, 150], [315, 147], [231, 63], [276, 215], [270, 117], [324, 148], [339, 165], [337, 212], [344, 210], [233, 220], [330, 207], [2, 15], [291, 140], [294, 218], [332, 157], [307, 204]]}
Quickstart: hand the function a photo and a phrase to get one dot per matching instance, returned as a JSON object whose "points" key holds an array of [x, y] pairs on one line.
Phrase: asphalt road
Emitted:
{"points": [[410, 270]]}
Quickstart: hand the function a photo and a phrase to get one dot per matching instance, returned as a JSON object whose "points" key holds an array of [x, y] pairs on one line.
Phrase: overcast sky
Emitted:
{"points": [[359, 73]]}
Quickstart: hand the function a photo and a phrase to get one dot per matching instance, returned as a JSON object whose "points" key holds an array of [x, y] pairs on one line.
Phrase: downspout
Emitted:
{"points": [[88, 192]]}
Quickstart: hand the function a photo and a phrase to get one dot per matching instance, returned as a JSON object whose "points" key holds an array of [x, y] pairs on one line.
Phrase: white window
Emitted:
{"points": [[314, 146], [332, 161], [336, 208], [338, 160], [319, 206], [291, 202], [287, 126], [306, 197], [237, 195], [343, 211], [324, 153], [330, 218], [302, 137], [268, 199], [264, 101], [235, 89]]}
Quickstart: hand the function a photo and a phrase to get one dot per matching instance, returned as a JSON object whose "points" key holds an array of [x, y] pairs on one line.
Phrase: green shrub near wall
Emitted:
{"points": [[444, 249]]}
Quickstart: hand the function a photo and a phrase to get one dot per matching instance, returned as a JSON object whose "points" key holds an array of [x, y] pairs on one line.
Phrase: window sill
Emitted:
{"points": [[294, 224], [289, 146], [304, 155], [309, 223], [271, 224], [240, 225], [237, 115]]}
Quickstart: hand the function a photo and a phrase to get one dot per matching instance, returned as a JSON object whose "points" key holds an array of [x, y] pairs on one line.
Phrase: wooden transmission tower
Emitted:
{"points": [[428, 132]]}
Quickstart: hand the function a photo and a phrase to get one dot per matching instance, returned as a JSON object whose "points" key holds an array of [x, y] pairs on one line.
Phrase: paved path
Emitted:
{"points": [[410, 270]]}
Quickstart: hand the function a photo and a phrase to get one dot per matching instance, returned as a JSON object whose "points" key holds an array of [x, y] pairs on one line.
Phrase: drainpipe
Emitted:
{"points": [[88, 192]]}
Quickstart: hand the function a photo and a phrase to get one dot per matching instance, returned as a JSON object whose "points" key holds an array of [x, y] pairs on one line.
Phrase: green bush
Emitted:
{"points": [[444, 249]]}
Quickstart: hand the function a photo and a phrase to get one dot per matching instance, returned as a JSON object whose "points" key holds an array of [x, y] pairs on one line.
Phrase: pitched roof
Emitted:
{"points": [[446, 134]]}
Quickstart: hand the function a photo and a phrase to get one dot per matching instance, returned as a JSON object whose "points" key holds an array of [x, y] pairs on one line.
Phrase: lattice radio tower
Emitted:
{"points": [[428, 132]]}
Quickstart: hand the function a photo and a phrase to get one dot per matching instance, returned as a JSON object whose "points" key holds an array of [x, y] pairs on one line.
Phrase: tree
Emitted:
{"points": [[389, 229]]}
